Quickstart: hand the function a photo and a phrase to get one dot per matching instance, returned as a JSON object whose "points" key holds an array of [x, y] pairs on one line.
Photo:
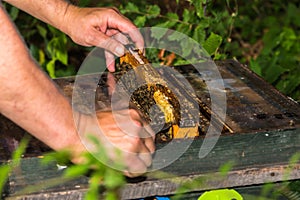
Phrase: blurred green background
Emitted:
{"points": [[263, 35]]}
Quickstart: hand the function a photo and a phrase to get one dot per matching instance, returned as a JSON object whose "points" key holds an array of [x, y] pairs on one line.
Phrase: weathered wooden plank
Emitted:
{"points": [[267, 108], [266, 134], [66, 195], [252, 105], [234, 178], [258, 159]]}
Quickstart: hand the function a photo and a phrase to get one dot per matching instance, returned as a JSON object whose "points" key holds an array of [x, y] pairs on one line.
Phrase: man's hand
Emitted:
{"points": [[101, 27], [128, 135], [123, 131]]}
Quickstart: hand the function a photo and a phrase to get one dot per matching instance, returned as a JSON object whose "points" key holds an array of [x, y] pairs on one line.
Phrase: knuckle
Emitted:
{"points": [[90, 39], [136, 141], [113, 10]]}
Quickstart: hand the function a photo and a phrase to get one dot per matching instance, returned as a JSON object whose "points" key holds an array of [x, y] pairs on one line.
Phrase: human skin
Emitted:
{"points": [[31, 99], [86, 26]]}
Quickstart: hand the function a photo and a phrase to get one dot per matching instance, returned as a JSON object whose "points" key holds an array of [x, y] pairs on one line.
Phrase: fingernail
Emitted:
{"points": [[120, 51]]}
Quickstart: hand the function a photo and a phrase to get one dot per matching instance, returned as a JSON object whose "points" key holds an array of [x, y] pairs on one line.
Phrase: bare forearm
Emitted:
{"points": [[50, 11], [28, 96]]}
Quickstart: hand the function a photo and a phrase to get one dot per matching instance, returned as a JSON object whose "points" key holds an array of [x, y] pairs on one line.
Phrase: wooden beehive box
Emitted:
{"points": [[262, 134]]}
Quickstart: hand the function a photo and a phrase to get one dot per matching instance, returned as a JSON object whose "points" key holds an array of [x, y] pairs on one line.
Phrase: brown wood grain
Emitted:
{"points": [[265, 134]]}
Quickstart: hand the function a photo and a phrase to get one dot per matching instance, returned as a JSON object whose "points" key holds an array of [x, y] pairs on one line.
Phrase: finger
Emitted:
{"points": [[110, 61], [143, 133], [118, 36], [149, 144], [135, 36], [148, 128], [110, 58], [145, 152], [135, 117], [135, 172], [146, 158], [111, 82], [124, 25], [138, 163], [97, 38]]}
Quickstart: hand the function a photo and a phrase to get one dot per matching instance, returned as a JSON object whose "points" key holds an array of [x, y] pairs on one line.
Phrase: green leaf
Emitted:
{"points": [[254, 65], [34, 51], [289, 85], [153, 11], [218, 56], [57, 49], [17, 154], [172, 16], [113, 179], [131, 7], [186, 47], [212, 43], [76, 171], [274, 72], [140, 21], [94, 183], [55, 32], [170, 22], [271, 40], [63, 72], [14, 13], [225, 168], [175, 36], [288, 38], [199, 8], [5, 169], [41, 57], [42, 31], [61, 157], [294, 159], [158, 33], [292, 83], [111, 195], [199, 34], [184, 28], [166, 24], [293, 14], [50, 67], [100, 153], [91, 195], [186, 15]]}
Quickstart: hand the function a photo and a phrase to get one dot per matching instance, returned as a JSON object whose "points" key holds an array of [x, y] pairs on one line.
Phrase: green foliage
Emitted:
{"points": [[292, 190], [279, 60], [191, 21], [264, 35], [268, 35], [225, 168], [103, 180], [5, 169], [48, 45], [212, 43]]}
